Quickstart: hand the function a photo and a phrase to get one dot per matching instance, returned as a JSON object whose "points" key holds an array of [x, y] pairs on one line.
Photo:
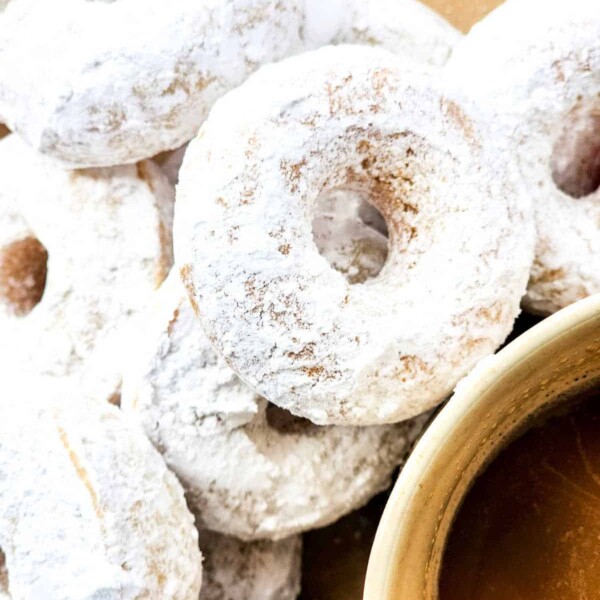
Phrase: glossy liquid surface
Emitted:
{"points": [[529, 529]]}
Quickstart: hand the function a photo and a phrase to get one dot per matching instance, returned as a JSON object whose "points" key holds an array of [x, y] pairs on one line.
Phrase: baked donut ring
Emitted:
{"points": [[460, 244], [541, 92], [250, 469], [88, 508], [101, 100], [80, 253], [263, 570]]}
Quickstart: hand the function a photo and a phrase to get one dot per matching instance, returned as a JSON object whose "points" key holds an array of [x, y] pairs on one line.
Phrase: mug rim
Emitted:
{"points": [[487, 372]]}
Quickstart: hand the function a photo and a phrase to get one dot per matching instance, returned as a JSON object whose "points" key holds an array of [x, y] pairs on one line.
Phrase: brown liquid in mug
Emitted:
{"points": [[529, 529]]}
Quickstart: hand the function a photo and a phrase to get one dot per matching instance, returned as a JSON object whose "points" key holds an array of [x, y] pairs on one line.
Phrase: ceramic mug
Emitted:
{"points": [[556, 359]]}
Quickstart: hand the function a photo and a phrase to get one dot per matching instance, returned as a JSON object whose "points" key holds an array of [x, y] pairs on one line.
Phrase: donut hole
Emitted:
{"points": [[350, 233], [371, 217], [575, 158], [3, 575], [23, 270], [286, 423]]}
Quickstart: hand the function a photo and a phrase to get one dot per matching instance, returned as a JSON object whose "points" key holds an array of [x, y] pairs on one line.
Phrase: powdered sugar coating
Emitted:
{"points": [[264, 570], [541, 94], [405, 27], [88, 509], [249, 469], [107, 233], [460, 237], [92, 99]]}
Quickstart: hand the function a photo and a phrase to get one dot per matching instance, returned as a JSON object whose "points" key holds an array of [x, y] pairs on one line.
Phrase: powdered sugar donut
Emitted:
{"points": [[92, 99], [80, 253], [250, 469], [88, 509], [405, 27], [542, 94], [460, 244], [264, 570]]}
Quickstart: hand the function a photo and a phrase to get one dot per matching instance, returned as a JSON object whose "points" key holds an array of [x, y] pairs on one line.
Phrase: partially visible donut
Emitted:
{"points": [[460, 245], [88, 509], [406, 27], [249, 468], [80, 254], [93, 99], [534, 67], [263, 570]]}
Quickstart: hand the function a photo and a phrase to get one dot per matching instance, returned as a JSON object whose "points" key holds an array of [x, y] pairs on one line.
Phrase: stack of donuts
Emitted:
{"points": [[246, 248]]}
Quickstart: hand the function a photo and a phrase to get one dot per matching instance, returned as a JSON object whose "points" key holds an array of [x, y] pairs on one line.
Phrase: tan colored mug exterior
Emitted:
{"points": [[557, 358]]}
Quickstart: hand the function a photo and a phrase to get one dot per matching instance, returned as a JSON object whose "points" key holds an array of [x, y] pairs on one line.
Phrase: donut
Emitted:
{"points": [[88, 508], [541, 93], [263, 570], [250, 469], [103, 100], [80, 253], [298, 332], [406, 27]]}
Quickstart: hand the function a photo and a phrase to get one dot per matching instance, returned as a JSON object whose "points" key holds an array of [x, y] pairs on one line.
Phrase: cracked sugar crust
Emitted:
{"points": [[263, 570], [92, 99], [541, 92], [88, 508], [250, 469], [298, 332], [106, 235]]}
